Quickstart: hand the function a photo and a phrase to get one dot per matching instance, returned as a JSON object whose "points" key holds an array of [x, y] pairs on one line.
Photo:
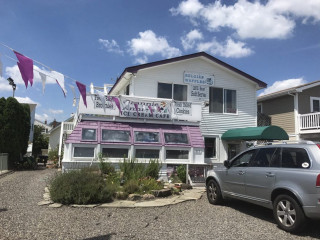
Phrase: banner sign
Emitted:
{"points": [[109, 104], [159, 110], [198, 93], [183, 108], [198, 78]]}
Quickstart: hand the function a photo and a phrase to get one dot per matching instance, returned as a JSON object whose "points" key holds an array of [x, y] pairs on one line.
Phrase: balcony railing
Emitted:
{"points": [[310, 121]]}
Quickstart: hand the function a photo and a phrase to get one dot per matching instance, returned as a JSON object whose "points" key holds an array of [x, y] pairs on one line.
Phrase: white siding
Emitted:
{"points": [[146, 84]]}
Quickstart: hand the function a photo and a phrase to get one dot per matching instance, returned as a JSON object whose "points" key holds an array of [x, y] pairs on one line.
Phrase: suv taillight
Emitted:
{"points": [[318, 146], [318, 181]]}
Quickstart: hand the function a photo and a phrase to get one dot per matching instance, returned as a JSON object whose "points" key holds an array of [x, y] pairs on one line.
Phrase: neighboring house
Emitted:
{"points": [[55, 137], [175, 110], [295, 109], [45, 127]]}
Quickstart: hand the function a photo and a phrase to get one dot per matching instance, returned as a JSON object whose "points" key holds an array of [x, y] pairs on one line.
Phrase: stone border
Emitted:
{"points": [[187, 195]]}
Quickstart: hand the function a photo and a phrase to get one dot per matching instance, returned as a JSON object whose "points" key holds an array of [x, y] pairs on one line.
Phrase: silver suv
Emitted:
{"points": [[282, 177]]}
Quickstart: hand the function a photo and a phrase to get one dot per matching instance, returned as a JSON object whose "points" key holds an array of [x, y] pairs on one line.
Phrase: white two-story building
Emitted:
{"points": [[174, 110]]}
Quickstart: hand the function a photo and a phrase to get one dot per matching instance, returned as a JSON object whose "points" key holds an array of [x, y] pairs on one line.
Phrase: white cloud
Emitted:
{"points": [[27, 100], [281, 85], [274, 19], [229, 49], [141, 60], [53, 111], [4, 85], [111, 46], [187, 8], [42, 117], [15, 74], [148, 43], [188, 41]]}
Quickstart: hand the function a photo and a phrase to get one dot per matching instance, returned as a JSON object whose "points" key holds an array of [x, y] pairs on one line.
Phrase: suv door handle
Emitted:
{"points": [[270, 174], [241, 172]]}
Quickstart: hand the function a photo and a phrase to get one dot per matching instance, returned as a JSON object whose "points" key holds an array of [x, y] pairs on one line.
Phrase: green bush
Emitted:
{"points": [[153, 168], [148, 184], [182, 172], [131, 169], [131, 186], [53, 155], [26, 163], [81, 187], [105, 167]]}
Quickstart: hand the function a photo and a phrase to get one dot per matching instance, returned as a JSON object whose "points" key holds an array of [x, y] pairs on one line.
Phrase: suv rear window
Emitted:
{"points": [[295, 158]]}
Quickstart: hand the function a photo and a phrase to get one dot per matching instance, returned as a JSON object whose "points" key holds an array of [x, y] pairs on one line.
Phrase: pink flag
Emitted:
{"points": [[136, 107], [83, 92], [116, 101], [25, 65], [150, 108]]}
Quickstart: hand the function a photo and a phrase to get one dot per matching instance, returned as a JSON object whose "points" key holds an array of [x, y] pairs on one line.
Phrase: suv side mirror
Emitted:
{"points": [[226, 163]]}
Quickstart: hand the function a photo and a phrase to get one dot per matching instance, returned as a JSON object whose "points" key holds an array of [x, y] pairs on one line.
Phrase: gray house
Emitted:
{"points": [[296, 110]]}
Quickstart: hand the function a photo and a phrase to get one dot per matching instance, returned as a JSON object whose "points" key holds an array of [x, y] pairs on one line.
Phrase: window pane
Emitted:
{"points": [[164, 90], [83, 152], [295, 158], [210, 147], [244, 159], [316, 107], [177, 154], [128, 89], [115, 135], [178, 138], [215, 100], [115, 152], [180, 92], [230, 101], [148, 137], [89, 134], [263, 158], [147, 153], [276, 158]]}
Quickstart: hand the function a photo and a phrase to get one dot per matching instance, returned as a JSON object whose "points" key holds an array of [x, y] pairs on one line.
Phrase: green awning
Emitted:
{"points": [[256, 133]]}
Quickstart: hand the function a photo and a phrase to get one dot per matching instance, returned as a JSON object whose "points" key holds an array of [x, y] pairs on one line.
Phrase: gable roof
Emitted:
{"points": [[286, 91], [135, 69]]}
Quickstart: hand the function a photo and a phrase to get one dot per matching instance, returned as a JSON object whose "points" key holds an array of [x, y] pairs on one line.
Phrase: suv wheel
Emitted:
{"points": [[288, 213], [213, 192]]}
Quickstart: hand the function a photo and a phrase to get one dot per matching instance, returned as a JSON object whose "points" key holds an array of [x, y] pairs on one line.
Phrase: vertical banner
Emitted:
{"points": [[83, 92], [25, 65]]}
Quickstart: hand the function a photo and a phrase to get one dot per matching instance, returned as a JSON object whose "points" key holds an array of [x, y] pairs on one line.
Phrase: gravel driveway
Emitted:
{"points": [[22, 218]]}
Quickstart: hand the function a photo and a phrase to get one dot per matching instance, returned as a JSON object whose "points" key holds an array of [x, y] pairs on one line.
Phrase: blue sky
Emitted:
{"points": [[276, 41]]}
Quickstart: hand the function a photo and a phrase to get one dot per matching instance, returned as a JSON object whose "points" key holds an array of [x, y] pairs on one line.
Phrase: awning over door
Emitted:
{"points": [[256, 133]]}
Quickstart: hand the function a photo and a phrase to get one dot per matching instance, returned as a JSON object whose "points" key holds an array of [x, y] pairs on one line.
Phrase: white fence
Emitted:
{"points": [[309, 121], [3, 161]]}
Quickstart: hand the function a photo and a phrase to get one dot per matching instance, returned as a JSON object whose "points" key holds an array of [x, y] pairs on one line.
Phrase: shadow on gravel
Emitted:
{"points": [[3, 209], [312, 229], [102, 237]]}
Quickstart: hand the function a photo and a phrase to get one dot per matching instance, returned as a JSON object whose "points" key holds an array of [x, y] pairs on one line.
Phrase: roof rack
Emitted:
{"points": [[255, 144]]}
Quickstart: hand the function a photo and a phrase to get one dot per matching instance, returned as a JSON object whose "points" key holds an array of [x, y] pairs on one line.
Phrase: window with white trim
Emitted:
{"points": [[177, 92], [146, 137], [315, 104], [115, 135], [83, 152], [177, 154], [115, 152], [222, 100], [147, 153], [89, 134], [176, 138]]}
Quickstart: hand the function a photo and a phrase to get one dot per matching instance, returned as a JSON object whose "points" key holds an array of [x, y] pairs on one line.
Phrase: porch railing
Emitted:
{"points": [[309, 121]]}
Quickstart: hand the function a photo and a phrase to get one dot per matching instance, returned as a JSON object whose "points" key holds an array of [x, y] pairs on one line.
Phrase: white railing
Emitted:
{"points": [[309, 121], [67, 126]]}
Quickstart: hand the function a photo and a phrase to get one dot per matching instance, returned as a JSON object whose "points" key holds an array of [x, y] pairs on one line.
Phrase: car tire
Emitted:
{"points": [[214, 192], [288, 213]]}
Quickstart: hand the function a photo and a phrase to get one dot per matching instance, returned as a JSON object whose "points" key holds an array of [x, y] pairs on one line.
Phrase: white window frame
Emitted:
{"points": [[311, 102], [115, 146], [204, 149], [147, 147], [94, 146], [89, 140], [223, 101], [172, 90], [175, 160]]}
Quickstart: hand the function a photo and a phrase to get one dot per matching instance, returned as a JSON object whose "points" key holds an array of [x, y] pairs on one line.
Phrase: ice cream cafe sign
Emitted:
{"points": [[193, 78]]}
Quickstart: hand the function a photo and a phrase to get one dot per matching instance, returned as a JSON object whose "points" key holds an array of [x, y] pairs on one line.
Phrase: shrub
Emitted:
{"points": [[131, 169], [26, 163], [181, 172], [131, 186], [105, 167], [80, 187], [153, 168], [53, 155], [148, 184]]}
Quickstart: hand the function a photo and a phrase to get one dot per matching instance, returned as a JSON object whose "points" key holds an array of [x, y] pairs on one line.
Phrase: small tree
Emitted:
{"points": [[39, 141]]}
